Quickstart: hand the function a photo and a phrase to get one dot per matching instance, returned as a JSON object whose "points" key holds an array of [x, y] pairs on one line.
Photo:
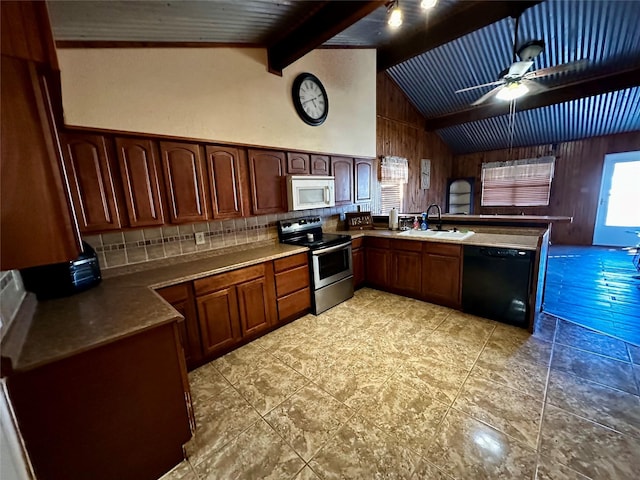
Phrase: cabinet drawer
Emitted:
{"points": [[223, 280], [378, 242], [174, 293], [357, 243], [290, 262], [445, 249], [292, 280], [408, 245], [294, 304]]}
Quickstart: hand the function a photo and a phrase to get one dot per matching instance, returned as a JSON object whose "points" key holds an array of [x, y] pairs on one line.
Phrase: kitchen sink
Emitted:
{"points": [[441, 234]]}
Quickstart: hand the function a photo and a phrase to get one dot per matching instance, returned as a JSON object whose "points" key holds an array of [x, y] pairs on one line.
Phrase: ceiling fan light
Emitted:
{"points": [[395, 16], [427, 4], [512, 91]]}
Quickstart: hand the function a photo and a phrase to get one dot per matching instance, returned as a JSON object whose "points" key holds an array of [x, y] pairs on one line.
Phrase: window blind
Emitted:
{"points": [[522, 183], [390, 196], [394, 169]]}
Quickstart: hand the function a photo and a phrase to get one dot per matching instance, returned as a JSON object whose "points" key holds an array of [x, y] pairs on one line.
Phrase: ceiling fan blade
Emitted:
{"points": [[487, 96], [564, 67], [497, 82], [518, 69], [534, 87]]}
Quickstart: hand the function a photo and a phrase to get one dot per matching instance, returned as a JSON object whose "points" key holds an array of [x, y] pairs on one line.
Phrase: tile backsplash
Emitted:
{"points": [[142, 245]]}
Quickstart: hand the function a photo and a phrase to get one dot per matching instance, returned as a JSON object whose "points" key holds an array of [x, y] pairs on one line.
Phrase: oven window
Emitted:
{"points": [[333, 263]]}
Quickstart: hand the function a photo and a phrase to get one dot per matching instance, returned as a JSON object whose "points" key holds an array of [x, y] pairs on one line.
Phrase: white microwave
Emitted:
{"points": [[310, 191]]}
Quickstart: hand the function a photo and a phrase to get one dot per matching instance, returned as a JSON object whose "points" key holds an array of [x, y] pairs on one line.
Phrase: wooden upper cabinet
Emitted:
{"points": [[298, 163], [320, 165], [267, 170], [90, 172], [364, 176], [184, 182], [36, 226], [140, 173], [342, 169], [223, 166]]}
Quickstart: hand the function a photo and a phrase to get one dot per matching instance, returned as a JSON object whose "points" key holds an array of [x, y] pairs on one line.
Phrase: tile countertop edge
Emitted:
{"points": [[122, 306], [502, 240]]}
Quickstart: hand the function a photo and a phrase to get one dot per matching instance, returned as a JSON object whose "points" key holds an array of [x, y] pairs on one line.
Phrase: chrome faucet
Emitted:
{"points": [[439, 214]]}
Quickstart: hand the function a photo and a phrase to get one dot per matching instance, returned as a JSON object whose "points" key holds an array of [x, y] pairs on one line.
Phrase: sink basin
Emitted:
{"points": [[442, 234]]}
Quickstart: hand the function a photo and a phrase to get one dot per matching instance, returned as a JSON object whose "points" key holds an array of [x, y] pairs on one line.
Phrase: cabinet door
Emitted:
{"points": [[406, 268], [377, 267], [358, 267], [319, 165], [91, 174], [342, 169], [33, 200], [441, 279], [184, 182], [364, 179], [140, 173], [223, 166], [219, 320], [255, 306], [266, 170], [297, 163]]}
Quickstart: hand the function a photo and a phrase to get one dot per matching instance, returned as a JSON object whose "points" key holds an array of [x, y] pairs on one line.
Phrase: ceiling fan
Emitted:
{"points": [[516, 80]]}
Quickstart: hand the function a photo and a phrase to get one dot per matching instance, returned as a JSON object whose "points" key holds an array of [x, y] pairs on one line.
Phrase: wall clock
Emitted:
{"points": [[425, 174], [310, 99]]}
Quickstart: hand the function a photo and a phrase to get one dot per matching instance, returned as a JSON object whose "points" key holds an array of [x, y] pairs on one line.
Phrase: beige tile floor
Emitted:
{"points": [[385, 387]]}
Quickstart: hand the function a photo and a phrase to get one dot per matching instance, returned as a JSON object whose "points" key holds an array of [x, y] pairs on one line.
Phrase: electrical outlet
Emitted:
{"points": [[199, 236]]}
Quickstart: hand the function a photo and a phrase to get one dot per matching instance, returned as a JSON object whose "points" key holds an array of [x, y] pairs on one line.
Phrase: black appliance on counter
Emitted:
{"points": [[63, 279], [330, 260], [496, 283]]}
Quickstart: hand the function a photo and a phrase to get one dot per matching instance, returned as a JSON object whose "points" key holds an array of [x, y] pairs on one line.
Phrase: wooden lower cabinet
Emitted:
{"points": [[358, 262], [442, 274], [256, 305], [406, 267], [292, 286], [219, 321], [121, 410]]}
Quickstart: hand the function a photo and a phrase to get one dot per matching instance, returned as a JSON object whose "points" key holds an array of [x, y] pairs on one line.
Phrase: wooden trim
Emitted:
{"points": [[465, 17], [324, 22], [589, 87], [147, 44]]}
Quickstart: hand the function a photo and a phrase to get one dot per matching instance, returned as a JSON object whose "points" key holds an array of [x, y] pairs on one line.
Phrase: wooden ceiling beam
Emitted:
{"points": [[597, 85], [464, 18], [325, 22]]}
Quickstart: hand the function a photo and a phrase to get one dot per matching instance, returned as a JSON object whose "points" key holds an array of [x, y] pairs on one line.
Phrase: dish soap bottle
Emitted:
{"points": [[416, 225], [423, 225]]}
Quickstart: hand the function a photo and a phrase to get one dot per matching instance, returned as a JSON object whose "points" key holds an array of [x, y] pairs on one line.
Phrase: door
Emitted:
{"points": [[377, 267], [319, 165], [223, 166], [364, 179], [266, 169], [297, 163], [618, 216], [254, 306], [91, 173], [140, 173], [184, 182], [219, 320], [406, 271], [342, 169], [358, 267]]}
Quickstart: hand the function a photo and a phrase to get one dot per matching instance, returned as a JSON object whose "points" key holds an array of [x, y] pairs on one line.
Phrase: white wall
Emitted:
{"points": [[223, 94]]}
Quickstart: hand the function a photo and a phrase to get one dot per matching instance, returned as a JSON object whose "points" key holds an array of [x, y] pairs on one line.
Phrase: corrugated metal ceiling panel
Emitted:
{"points": [[614, 112]]}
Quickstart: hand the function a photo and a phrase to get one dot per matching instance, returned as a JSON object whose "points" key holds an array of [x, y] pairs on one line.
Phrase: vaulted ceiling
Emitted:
{"points": [[457, 44]]}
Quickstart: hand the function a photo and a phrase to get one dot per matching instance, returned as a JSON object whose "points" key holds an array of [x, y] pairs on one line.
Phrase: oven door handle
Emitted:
{"points": [[330, 249]]}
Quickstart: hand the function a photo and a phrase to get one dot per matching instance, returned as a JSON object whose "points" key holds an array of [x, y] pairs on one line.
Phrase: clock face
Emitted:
{"points": [[310, 99]]}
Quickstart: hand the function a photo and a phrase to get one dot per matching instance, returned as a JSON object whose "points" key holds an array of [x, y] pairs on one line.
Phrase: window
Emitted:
{"points": [[390, 196], [521, 183], [394, 174]]}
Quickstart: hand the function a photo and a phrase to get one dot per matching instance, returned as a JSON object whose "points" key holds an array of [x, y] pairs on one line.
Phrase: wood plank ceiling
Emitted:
{"points": [[457, 44]]}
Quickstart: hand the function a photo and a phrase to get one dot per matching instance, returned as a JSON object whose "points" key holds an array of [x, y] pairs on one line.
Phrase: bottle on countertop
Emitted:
{"points": [[416, 225], [423, 225]]}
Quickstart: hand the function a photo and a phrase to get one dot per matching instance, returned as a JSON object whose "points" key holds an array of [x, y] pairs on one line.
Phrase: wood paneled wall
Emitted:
{"points": [[400, 132], [575, 188]]}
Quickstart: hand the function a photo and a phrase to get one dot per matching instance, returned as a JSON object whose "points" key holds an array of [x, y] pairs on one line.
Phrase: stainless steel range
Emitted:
{"points": [[329, 260]]}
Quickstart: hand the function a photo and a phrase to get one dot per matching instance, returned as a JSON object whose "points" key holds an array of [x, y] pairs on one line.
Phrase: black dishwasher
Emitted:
{"points": [[496, 283]]}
